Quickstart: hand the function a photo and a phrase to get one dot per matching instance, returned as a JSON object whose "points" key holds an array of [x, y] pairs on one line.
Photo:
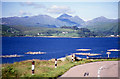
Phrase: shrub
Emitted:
{"points": [[9, 72]]}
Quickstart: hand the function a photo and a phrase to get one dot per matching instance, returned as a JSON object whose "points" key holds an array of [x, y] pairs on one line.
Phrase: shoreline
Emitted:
{"points": [[53, 59], [61, 37]]}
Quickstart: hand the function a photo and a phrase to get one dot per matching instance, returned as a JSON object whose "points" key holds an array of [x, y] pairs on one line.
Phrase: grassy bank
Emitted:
{"points": [[43, 68]]}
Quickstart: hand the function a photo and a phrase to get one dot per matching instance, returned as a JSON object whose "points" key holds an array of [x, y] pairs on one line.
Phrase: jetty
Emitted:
{"points": [[36, 52], [83, 49], [8, 56]]}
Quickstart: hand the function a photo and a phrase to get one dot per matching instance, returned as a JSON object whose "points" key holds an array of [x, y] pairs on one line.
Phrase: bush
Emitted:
{"points": [[9, 72]]}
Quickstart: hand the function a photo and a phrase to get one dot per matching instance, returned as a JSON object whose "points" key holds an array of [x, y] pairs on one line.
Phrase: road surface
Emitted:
{"points": [[95, 69]]}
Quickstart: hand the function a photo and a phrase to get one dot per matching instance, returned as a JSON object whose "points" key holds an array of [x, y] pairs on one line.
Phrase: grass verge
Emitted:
{"points": [[43, 68]]}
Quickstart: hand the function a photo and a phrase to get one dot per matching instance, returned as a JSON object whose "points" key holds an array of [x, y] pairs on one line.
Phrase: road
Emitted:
{"points": [[95, 69]]}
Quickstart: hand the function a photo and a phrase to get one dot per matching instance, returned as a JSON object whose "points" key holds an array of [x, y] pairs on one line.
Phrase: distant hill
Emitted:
{"points": [[71, 20], [39, 21], [42, 21], [100, 25], [103, 26]]}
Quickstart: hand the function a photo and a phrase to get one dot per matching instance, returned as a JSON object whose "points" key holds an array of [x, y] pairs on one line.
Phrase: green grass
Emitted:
{"points": [[43, 68], [66, 35], [13, 31]]}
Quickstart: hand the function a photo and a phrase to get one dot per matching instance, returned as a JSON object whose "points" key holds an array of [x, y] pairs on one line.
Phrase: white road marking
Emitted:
{"points": [[100, 70]]}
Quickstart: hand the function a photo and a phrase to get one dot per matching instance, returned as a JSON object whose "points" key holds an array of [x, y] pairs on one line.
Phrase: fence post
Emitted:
{"points": [[55, 63], [33, 67], [87, 57], [72, 58]]}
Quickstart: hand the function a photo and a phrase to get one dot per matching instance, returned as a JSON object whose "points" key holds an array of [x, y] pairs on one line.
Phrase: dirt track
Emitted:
{"points": [[95, 69]]}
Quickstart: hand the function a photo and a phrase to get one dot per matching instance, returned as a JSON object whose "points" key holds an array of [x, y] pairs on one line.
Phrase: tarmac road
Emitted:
{"points": [[95, 69]]}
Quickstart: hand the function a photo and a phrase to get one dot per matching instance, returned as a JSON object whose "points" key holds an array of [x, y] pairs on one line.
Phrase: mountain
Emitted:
{"points": [[103, 25], [65, 15], [101, 19], [42, 21], [71, 20]]}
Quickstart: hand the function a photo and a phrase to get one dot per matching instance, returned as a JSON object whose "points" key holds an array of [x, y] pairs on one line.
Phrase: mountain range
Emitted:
{"points": [[99, 24], [44, 21]]}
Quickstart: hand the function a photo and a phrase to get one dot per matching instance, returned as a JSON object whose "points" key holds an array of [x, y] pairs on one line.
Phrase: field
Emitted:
{"points": [[43, 68], [16, 31]]}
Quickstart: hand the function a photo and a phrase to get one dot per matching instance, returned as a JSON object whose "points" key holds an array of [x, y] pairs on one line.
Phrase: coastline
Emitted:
{"points": [[62, 37], [68, 57]]}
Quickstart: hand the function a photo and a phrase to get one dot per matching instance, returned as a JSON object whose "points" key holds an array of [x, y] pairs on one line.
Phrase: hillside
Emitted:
{"points": [[71, 20], [44, 25], [44, 31], [103, 26], [41, 21]]}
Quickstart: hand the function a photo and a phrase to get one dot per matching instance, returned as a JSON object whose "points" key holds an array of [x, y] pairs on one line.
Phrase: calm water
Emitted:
{"points": [[54, 47]]}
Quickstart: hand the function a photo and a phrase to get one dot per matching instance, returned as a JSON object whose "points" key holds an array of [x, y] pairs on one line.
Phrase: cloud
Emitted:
{"points": [[23, 13], [59, 9], [35, 5]]}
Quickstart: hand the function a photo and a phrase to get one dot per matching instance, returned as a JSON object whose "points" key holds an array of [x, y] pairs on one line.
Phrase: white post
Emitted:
{"points": [[33, 67], [55, 63], [87, 57], [72, 58], [108, 55]]}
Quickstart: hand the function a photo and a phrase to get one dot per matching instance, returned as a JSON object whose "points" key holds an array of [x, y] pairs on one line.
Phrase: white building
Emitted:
{"points": [[112, 35]]}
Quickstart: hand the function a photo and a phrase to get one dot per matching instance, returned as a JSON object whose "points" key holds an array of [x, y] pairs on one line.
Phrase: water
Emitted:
{"points": [[54, 47]]}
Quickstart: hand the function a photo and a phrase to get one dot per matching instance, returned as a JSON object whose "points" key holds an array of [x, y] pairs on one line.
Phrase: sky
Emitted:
{"points": [[85, 10]]}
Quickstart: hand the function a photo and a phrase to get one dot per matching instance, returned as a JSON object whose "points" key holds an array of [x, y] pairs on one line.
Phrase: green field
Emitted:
{"points": [[16, 31]]}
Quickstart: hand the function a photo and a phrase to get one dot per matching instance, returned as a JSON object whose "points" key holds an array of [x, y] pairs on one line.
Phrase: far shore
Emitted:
{"points": [[63, 37]]}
